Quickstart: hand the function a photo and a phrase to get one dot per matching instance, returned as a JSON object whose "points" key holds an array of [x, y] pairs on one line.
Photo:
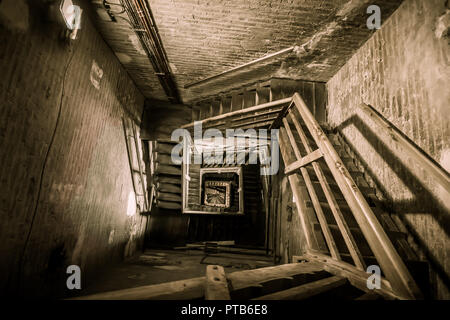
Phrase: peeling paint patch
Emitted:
{"points": [[96, 75], [111, 237], [312, 43], [14, 15], [76, 255]]}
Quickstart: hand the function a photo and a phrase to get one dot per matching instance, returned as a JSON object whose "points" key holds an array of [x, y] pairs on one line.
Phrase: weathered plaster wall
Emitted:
{"points": [[403, 72], [65, 178]]}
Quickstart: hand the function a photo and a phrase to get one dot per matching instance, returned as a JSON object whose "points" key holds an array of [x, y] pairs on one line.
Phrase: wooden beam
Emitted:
{"points": [[357, 278], [248, 278], [306, 290], [176, 290], [216, 287], [310, 157]]}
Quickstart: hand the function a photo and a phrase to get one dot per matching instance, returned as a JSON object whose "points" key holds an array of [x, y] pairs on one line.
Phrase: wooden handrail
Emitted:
{"points": [[426, 168], [392, 265]]}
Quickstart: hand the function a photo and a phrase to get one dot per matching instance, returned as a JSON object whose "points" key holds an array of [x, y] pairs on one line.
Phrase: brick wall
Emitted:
{"points": [[65, 176], [204, 38], [403, 72]]}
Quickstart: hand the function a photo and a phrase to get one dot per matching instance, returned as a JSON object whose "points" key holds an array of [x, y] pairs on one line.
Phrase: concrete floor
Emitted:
{"points": [[158, 266]]}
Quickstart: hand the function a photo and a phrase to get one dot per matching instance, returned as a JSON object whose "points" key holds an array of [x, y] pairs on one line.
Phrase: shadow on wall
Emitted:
{"points": [[424, 201]]}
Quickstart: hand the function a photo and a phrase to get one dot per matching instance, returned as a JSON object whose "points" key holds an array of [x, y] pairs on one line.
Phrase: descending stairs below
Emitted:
{"points": [[296, 281], [331, 192]]}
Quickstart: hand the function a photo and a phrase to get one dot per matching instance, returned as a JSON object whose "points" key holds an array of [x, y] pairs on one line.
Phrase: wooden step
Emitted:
{"points": [[167, 179], [167, 169], [168, 204]]}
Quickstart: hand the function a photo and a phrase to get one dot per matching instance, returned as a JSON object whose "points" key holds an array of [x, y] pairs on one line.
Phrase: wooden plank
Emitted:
{"points": [[165, 196], [168, 179], [256, 113], [306, 290], [166, 187], [383, 249], [254, 121], [216, 287], [168, 204], [291, 139], [310, 157], [356, 277], [262, 94], [166, 169], [175, 290], [257, 125], [247, 278], [338, 216], [249, 97]]}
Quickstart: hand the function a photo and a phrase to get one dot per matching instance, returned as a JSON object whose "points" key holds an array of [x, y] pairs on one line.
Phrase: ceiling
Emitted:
{"points": [[203, 38]]}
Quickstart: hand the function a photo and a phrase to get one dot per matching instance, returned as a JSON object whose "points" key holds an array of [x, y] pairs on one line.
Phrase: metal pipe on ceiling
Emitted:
{"points": [[143, 23], [245, 65]]}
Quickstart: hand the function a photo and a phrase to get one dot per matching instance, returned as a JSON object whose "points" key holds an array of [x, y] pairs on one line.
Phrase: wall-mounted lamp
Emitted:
{"points": [[72, 17]]}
